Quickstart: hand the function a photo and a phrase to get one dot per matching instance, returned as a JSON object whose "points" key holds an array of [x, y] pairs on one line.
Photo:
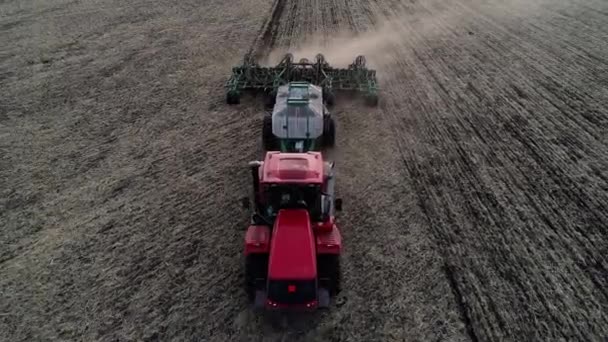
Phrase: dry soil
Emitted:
{"points": [[475, 194]]}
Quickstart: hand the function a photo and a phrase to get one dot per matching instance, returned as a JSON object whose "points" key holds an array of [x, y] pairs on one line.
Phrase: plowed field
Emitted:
{"points": [[475, 194]]}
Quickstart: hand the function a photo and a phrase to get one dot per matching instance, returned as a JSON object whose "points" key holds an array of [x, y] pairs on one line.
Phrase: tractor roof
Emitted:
{"points": [[293, 168]]}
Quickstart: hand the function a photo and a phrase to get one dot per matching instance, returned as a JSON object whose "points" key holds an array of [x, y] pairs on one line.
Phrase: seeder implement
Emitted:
{"points": [[250, 76]]}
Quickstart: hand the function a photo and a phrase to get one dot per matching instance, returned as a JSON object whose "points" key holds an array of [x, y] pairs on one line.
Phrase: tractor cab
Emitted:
{"points": [[294, 181], [299, 121], [292, 245]]}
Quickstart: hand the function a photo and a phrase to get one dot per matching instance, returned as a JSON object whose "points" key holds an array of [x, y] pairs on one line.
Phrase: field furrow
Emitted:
{"points": [[474, 194]]}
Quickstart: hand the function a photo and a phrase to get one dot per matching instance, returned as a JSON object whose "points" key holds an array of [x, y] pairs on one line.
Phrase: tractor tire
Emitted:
{"points": [[270, 100], [233, 98], [337, 281], [269, 141], [372, 100], [329, 132], [256, 271], [329, 98], [328, 266]]}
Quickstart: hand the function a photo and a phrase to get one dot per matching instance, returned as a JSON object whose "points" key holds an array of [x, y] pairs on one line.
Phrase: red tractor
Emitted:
{"points": [[292, 246]]}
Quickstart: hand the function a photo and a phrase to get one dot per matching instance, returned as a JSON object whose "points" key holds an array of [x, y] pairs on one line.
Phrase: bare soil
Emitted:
{"points": [[475, 194]]}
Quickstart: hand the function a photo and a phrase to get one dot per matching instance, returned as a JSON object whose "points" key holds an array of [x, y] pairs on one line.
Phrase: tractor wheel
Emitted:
{"points": [[256, 270], [337, 287], [268, 138], [329, 132], [270, 100], [328, 266], [233, 98], [329, 98], [372, 100]]}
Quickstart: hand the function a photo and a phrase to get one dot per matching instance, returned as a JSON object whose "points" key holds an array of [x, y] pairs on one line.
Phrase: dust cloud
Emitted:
{"points": [[402, 31], [398, 32], [341, 49]]}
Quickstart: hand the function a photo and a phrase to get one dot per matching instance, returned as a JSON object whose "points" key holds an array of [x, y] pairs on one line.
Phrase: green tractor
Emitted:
{"points": [[299, 94]]}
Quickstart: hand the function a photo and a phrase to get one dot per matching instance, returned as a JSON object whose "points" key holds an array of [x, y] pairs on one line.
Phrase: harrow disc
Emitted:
{"points": [[287, 59], [319, 58], [360, 62]]}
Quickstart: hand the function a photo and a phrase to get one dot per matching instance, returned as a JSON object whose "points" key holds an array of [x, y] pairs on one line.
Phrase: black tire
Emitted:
{"points": [[329, 270], [270, 100], [337, 281], [329, 98], [256, 271], [372, 100], [360, 61], [233, 98], [329, 132], [269, 141]]}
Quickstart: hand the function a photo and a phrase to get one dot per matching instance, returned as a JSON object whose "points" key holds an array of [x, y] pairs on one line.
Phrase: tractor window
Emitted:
{"points": [[294, 197]]}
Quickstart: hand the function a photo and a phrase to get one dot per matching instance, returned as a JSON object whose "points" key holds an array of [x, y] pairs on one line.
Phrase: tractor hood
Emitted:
{"points": [[292, 249]]}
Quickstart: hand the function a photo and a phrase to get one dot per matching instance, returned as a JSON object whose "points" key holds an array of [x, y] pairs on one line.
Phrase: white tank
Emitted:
{"points": [[298, 111]]}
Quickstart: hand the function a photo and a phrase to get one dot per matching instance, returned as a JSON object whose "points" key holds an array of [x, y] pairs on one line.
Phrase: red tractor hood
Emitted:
{"points": [[292, 249]]}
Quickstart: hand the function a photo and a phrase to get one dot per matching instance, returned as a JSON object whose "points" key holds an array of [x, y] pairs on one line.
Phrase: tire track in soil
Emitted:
{"points": [[442, 123], [577, 192], [380, 279], [484, 165], [387, 10], [403, 222], [269, 31], [136, 246]]}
